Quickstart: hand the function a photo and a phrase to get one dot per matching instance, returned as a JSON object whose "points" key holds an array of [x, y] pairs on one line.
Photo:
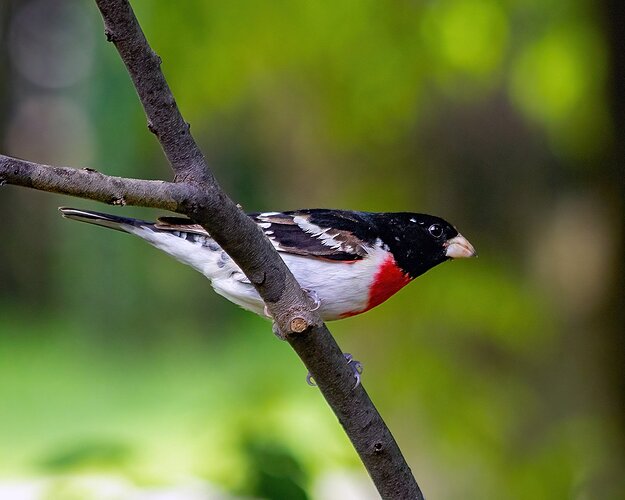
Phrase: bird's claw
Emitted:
{"points": [[355, 365], [314, 297]]}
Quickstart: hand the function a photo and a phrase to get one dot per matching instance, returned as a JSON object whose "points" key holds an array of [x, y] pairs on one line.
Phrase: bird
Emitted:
{"points": [[348, 262]]}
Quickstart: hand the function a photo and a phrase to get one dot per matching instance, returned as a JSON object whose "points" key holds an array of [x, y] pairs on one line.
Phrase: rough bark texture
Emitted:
{"points": [[196, 193]]}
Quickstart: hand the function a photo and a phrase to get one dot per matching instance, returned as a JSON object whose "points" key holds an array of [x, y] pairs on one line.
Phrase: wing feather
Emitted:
{"points": [[179, 224], [329, 234]]}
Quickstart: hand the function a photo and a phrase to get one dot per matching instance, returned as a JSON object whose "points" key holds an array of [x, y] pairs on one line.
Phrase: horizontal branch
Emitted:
{"points": [[91, 184]]}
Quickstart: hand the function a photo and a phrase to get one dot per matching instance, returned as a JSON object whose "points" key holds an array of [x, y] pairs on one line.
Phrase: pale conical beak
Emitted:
{"points": [[459, 248]]}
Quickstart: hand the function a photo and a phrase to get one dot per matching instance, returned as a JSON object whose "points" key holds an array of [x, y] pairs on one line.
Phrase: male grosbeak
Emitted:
{"points": [[347, 261]]}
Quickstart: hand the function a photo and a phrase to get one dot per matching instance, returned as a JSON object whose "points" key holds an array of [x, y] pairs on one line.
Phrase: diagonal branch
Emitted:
{"points": [[144, 67], [196, 193]]}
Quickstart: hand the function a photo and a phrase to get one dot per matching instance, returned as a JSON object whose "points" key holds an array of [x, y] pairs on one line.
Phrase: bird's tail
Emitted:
{"points": [[180, 238], [105, 220]]}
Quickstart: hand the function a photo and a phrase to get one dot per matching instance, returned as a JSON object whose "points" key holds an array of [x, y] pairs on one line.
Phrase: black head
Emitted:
{"points": [[420, 241]]}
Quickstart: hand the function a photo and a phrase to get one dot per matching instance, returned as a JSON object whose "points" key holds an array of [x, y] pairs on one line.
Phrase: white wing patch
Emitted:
{"points": [[328, 240], [300, 233]]}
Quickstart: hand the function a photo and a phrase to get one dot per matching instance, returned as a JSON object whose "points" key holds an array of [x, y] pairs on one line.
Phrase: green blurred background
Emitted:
{"points": [[122, 373]]}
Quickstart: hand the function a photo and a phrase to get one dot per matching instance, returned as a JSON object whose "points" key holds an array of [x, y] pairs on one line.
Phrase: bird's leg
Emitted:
{"points": [[355, 365]]}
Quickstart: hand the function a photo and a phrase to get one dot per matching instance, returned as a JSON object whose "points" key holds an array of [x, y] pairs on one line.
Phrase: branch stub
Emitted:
{"points": [[298, 325]]}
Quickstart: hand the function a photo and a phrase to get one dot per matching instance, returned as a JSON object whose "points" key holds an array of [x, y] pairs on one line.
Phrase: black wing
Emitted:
{"points": [[330, 234]]}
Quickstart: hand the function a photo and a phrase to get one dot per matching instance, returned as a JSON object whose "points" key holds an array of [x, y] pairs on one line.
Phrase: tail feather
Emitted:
{"points": [[104, 220], [188, 243], [189, 246]]}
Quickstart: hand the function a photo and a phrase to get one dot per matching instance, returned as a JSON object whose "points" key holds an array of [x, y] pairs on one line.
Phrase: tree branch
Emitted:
{"points": [[91, 184], [196, 193]]}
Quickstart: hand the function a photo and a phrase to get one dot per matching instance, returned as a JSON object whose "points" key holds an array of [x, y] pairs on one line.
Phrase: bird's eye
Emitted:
{"points": [[436, 230]]}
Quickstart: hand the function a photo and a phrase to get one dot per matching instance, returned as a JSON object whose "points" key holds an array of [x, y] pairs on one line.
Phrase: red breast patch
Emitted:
{"points": [[387, 281]]}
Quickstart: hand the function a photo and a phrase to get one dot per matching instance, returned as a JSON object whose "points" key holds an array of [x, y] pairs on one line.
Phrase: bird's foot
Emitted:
{"points": [[276, 331], [311, 294], [314, 297], [354, 364]]}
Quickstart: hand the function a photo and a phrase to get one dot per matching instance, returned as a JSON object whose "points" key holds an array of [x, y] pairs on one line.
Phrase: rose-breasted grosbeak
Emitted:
{"points": [[347, 261]]}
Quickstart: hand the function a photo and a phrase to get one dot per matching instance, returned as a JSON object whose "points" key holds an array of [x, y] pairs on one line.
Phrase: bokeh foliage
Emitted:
{"points": [[497, 376]]}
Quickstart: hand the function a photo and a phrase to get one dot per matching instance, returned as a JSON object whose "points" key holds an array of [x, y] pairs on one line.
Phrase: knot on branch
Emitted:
{"points": [[290, 321], [297, 321], [299, 325], [109, 35]]}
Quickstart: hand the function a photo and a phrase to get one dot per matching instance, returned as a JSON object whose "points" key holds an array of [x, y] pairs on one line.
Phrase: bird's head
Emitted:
{"points": [[420, 241]]}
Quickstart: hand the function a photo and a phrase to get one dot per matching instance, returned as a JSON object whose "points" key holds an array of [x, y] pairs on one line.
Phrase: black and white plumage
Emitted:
{"points": [[349, 261]]}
